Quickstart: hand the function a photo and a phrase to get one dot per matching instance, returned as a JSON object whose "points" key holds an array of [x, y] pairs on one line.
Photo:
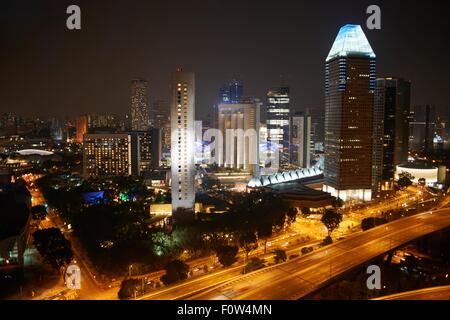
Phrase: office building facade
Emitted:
{"points": [[239, 125], [233, 92], [146, 151], [301, 131], [106, 154], [102, 122], [392, 104]]}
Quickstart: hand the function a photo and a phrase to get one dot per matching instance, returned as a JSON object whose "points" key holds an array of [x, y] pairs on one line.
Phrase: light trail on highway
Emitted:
{"points": [[434, 293], [297, 278]]}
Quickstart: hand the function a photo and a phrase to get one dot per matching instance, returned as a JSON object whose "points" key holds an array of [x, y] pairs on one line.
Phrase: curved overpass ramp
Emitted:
{"points": [[297, 278], [434, 293]]}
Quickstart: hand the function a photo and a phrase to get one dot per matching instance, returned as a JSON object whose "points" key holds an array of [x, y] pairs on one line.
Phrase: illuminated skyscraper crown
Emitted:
{"points": [[350, 40]]}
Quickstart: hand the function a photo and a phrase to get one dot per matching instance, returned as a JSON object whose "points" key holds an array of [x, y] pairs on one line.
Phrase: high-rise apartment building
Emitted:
{"points": [[350, 79], [301, 129], [139, 105], [182, 107]]}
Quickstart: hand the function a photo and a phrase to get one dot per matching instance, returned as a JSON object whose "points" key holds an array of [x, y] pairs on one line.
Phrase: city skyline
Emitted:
{"points": [[224, 150], [64, 88]]}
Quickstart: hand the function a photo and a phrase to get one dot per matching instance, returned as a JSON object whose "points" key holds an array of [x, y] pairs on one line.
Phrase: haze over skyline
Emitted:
{"points": [[49, 70]]}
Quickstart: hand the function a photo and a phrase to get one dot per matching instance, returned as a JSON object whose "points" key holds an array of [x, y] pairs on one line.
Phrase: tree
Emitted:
{"points": [[328, 240], [331, 219], [165, 244], [39, 212], [264, 233], [253, 265], [306, 212], [227, 255], [209, 183], [291, 214], [214, 167], [247, 241], [306, 250], [338, 203], [404, 179], [422, 181], [53, 247], [128, 288], [162, 197], [280, 256], [176, 270]]}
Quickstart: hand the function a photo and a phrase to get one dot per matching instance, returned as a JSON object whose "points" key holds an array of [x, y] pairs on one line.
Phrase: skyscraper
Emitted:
{"points": [[232, 92], [392, 103], [239, 125], [161, 120], [146, 150], [82, 125], [301, 139], [318, 128], [430, 117], [349, 106], [182, 106], [421, 127], [278, 113], [139, 105], [236, 90]]}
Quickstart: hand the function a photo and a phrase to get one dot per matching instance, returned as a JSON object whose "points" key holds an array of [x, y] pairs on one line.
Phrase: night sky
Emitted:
{"points": [[46, 69]]}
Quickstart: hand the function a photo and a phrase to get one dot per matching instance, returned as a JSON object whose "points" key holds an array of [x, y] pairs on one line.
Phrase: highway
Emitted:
{"points": [[434, 293], [184, 289], [299, 277]]}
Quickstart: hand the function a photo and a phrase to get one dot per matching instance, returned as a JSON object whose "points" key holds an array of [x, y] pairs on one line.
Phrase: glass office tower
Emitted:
{"points": [[278, 113], [392, 102], [349, 110]]}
